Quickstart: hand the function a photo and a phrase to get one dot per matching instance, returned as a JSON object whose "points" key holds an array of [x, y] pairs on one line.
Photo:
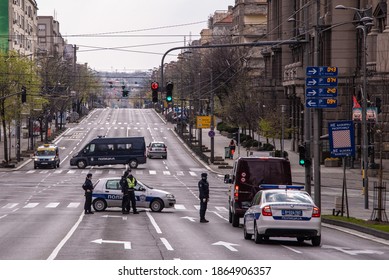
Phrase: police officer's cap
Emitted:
{"points": [[89, 175], [125, 174], [204, 174]]}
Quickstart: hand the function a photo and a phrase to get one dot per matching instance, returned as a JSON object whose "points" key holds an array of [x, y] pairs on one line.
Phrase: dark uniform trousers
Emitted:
{"points": [[88, 201], [132, 200]]}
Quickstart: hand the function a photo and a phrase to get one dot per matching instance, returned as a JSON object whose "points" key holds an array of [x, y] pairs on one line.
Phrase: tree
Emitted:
{"points": [[17, 71]]}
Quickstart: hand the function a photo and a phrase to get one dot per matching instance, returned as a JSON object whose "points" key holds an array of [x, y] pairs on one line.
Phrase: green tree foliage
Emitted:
{"points": [[16, 71]]}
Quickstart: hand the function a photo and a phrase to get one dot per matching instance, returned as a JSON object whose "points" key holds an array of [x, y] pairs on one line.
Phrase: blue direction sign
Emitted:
{"points": [[321, 92], [322, 82], [321, 103], [341, 138], [322, 71]]}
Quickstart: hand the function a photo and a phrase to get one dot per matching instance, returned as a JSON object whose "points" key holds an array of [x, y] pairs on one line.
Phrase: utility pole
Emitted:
{"points": [[316, 117]]}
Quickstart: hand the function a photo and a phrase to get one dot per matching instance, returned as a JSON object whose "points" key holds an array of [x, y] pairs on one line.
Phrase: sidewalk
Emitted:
{"points": [[331, 179]]}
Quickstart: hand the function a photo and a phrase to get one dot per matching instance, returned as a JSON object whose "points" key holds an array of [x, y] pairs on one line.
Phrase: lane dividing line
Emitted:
{"points": [[54, 254], [167, 244], [153, 222]]}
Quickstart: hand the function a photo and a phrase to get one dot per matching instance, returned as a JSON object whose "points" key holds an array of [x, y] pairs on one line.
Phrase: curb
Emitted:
{"points": [[370, 231]]}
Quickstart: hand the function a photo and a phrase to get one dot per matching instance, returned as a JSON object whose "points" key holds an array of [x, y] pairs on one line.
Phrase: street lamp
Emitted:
{"points": [[364, 24]]}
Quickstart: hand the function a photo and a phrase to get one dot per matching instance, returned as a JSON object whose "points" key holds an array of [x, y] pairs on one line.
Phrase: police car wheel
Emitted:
{"points": [[156, 205], [257, 236], [316, 240], [246, 235], [99, 205]]}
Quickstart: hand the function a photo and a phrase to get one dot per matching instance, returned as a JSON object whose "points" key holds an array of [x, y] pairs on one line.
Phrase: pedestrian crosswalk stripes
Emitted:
{"points": [[52, 205], [111, 172]]}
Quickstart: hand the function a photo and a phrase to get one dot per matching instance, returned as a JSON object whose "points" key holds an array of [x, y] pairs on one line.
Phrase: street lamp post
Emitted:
{"points": [[365, 23]]}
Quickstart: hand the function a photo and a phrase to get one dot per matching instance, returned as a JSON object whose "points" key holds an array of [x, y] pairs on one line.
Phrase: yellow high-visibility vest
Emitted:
{"points": [[131, 183]]}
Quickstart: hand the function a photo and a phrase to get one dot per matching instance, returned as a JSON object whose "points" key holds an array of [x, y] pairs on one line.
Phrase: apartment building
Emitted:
{"points": [[50, 41], [18, 21]]}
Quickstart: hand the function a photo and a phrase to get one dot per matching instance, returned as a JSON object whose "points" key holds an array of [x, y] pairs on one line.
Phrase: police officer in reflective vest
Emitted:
{"points": [[204, 197], [131, 193]]}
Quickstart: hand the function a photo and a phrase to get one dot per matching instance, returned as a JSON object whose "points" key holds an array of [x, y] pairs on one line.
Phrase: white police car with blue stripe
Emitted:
{"points": [[107, 193]]}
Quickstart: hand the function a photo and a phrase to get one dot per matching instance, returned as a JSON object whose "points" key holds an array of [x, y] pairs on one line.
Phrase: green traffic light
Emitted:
{"points": [[168, 98], [302, 162]]}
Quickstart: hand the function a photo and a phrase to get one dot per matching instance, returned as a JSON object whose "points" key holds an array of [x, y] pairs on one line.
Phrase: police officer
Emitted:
{"points": [[124, 186], [204, 197], [88, 188], [131, 193]]}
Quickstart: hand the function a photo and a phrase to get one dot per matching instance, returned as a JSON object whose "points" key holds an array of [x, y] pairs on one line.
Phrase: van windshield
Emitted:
{"points": [[265, 172], [45, 153]]}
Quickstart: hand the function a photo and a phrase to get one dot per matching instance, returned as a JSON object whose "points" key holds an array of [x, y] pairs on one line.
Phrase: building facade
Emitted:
{"points": [[333, 36]]}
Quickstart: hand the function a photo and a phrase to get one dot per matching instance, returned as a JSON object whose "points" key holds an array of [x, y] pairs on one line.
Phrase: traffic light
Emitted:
{"points": [[154, 91], [169, 92], [302, 155], [378, 104], [124, 91], [24, 94]]}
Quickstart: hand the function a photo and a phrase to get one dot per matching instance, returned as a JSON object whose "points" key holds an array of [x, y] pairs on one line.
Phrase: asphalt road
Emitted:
{"points": [[41, 211]]}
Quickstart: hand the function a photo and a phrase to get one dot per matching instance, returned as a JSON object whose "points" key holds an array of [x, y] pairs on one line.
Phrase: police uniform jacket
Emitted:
{"points": [[87, 185], [204, 189]]}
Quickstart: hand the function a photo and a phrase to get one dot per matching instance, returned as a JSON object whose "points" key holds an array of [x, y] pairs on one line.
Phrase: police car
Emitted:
{"points": [[46, 155], [107, 193], [282, 211]]}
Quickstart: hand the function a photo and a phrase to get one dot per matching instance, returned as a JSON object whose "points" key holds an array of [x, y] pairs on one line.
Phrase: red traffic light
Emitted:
{"points": [[154, 86]]}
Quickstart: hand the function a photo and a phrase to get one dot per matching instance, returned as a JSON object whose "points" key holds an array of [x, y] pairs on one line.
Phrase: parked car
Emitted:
{"points": [[107, 193], [157, 149], [283, 211]]}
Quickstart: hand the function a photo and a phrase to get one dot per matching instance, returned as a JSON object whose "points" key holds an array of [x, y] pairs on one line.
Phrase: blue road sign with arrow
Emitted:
{"points": [[321, 103], [322, 82], [321, 92], [322, 71]]}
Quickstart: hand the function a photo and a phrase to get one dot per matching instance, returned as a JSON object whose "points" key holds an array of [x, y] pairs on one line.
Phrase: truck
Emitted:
{"points": [[249, 173]]}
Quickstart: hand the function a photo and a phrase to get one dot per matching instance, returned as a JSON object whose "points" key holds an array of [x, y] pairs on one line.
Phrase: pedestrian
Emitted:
{"points": [[232, 148], [88, 188], [204, 196], [124, 187], [131, 193]]}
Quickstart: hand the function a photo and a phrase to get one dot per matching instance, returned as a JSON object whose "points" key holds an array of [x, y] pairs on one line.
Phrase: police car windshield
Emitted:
{"points": [[45, 153]]}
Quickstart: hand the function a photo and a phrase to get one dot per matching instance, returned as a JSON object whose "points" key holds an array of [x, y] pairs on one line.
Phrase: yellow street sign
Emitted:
{"points": [[203, 122]]}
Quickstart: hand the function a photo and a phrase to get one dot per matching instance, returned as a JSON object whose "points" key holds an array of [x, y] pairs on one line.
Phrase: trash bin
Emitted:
{"points": [[226, 152]]}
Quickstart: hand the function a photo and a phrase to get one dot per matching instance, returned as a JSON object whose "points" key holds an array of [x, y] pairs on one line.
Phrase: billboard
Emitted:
{"points": [[4, 20]]}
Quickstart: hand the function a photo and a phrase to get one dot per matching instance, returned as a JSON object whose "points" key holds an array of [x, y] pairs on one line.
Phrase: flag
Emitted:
{"points": [[355, 102]]}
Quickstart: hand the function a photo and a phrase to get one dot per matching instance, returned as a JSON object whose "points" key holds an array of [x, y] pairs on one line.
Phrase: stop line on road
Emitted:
{"points": [[111, 172], [51, 205]]}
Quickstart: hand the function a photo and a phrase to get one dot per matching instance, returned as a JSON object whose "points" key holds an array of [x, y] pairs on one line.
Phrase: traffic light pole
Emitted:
{"points": [[254, 44]]}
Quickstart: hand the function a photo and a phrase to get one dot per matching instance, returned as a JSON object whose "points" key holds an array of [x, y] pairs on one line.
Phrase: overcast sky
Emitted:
{"points": [[137, 33]]}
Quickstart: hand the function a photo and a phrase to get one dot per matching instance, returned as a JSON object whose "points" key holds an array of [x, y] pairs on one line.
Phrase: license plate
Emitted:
{"points": [[292, 212]]}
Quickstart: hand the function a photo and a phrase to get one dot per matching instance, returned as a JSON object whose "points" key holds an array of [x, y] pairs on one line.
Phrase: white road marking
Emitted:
{"points": [[154, 223], [167, 244], [31, 205], [52, 205]]}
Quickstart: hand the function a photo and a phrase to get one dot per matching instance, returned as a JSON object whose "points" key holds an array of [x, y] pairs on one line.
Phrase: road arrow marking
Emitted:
{"points": [[227, 245], [127, 245], [189, 218], [111, 216], [353, 252]]}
